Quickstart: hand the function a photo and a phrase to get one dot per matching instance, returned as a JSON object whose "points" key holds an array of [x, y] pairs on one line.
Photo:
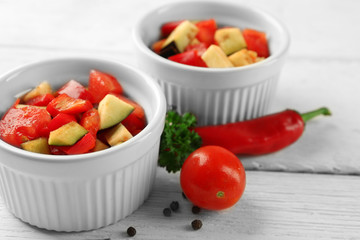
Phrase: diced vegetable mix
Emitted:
{"points": [[74, 119], [204, 44]]}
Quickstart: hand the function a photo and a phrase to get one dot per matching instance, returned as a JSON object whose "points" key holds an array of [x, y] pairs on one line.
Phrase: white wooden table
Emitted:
{"points": [[310, 190]]}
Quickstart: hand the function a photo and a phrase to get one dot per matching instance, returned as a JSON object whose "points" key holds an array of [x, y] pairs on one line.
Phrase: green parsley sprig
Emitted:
{"points": [[178, 140]]}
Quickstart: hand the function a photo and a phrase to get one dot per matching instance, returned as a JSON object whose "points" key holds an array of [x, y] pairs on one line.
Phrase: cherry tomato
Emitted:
{"points": [[213, 178]]}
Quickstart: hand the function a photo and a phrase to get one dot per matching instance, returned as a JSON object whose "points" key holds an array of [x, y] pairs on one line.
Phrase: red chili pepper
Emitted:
{"points": [[262, 135]]}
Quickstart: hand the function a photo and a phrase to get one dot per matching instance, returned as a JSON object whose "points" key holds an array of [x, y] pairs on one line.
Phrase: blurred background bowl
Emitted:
{"points": [[214, 95], [86, 191]]}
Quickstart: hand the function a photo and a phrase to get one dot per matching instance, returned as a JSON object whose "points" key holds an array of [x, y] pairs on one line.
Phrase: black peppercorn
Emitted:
{"points": [[196, 224], [167, 212], [131, 231], [195, 210], [174, 205]]}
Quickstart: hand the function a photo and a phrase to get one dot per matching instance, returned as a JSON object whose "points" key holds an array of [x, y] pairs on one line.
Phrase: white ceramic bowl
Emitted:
{"points": [[88, 191], [214, 95]]}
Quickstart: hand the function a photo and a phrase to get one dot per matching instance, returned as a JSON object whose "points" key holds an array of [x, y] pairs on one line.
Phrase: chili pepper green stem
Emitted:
{"points": [[310, 115]]}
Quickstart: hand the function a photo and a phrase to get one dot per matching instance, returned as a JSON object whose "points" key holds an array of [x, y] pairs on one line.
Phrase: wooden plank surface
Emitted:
{"points": [[274, 206]]}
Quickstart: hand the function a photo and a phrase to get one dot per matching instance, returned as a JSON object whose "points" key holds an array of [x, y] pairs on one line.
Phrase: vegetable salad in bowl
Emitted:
{"points": [[204, 44], [73, 119]]}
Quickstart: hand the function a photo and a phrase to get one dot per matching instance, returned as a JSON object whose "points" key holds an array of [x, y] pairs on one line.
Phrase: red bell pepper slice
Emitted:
{"points": [[200, 47], [168, 27], [60, 120], [65, 104], [101, 84], [84, 145], [206, 33], [90, 120], [136, 121], [41, 100], [256, 41], [74, 89], [23, 124], [191, 58]]}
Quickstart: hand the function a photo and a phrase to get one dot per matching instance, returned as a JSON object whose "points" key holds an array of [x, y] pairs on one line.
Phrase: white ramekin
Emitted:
{"points": [[215, 96], [87, 191]]}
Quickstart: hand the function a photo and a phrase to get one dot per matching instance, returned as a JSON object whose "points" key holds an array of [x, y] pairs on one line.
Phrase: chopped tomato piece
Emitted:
{"points": [[206, 33], [23, 124], [191, 58], [41, 100], [74, 89], [256, 41], [136, 121], [168, 27], [17, 101], [101, 84], [59, 120], [90, 120], [65, 104], [84, 145], [200, 47]]}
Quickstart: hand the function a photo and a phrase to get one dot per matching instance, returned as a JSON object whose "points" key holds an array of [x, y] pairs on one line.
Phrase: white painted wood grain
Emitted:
{"points": [[274, 206]]}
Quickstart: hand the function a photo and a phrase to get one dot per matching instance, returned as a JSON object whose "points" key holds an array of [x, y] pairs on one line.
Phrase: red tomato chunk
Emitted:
{"points": [[23, 124], [101, 84]]}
